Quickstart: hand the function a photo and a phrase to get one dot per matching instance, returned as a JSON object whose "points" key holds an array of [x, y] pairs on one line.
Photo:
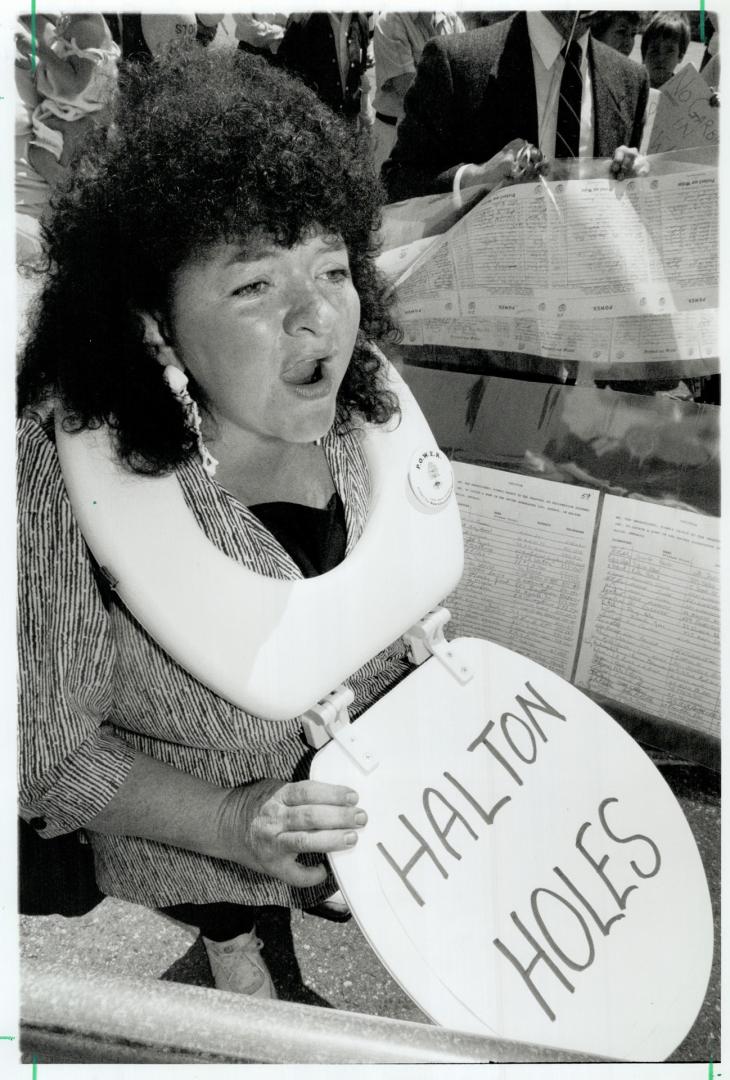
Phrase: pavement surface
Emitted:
{"points": [[317, 962]]}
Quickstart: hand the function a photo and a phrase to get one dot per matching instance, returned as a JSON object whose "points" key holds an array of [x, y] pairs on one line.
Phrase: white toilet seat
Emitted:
{"points": [[273, 648], [640, 993]]}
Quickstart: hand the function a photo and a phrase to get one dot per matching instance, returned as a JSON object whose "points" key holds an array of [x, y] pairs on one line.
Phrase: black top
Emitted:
{"points": [[315, 539], [308, 50]]}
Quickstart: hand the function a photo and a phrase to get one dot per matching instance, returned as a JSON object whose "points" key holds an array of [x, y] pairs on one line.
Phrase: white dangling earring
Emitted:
{"points": [[177, 380]]}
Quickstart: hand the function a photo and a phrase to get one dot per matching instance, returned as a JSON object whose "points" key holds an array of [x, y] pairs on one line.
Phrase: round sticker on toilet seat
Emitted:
{"points": [[430, 478]]}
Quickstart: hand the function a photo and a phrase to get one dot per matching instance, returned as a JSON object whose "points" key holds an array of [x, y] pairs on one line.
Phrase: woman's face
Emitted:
{"points": [[268, 333]]}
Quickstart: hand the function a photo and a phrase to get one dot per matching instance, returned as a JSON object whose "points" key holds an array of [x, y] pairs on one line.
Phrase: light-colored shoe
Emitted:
{"points": [[237, 966]]}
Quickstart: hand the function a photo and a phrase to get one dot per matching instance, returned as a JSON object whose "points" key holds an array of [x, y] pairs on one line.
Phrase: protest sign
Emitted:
{"points": [[684, 116], [525, 871]]}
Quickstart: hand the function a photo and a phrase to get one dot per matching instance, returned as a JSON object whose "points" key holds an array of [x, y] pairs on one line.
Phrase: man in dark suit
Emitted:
{"points": [[479, 96], [329, 52]]}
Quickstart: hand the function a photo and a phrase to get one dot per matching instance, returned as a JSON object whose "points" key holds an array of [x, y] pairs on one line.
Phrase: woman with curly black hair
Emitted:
{"points": [[208, 306]]}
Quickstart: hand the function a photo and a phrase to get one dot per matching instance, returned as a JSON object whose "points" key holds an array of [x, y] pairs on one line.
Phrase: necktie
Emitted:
{"points": [[567, 134]]}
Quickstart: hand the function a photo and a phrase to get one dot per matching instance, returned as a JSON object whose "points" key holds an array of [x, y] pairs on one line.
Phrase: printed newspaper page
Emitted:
{"points": [[590, 269], [652, 632], [527, 546]]}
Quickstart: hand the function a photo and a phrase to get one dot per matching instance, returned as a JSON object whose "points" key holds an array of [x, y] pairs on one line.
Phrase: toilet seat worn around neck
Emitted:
{"points": [[273, 648]]}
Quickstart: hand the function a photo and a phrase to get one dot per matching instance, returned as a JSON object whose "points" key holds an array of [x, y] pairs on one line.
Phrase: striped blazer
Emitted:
{"points": [[95, 687]]}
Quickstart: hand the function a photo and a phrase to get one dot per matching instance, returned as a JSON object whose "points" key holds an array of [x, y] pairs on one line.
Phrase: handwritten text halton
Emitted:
{"points": [[514, 744]]}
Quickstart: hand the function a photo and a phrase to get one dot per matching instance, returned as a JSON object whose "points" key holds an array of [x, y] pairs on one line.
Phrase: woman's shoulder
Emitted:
{"points": [[51, 549], [35, 432], [39, 480]]}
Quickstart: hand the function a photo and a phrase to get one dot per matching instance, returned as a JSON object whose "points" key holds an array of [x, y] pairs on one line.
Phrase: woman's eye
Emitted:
{"points": [[251, 288], [337, 273]]}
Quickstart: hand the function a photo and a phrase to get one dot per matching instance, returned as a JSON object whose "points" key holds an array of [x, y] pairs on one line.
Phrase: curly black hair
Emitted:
{"points": [[203, 146]]}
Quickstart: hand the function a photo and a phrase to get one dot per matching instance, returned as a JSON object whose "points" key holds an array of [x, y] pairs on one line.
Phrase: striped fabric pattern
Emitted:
{"points": [[567, 133], [94, 686]]}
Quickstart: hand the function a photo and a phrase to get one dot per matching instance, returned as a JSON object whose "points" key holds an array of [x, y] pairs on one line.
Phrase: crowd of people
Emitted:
{"points": [[361, 65], [206, 225]]}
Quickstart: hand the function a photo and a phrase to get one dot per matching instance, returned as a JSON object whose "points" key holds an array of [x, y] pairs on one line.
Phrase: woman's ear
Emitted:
{"points": [[155, 341]]}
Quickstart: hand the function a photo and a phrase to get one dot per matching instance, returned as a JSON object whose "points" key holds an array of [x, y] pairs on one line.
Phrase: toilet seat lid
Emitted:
{"points": [[491, 811]]}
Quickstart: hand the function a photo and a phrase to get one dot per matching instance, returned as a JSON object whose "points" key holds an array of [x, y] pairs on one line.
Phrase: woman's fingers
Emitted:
{"points": [[318, 843], [314, 808], [311, 818], [312, 792], [295, 873], [267, 824]]}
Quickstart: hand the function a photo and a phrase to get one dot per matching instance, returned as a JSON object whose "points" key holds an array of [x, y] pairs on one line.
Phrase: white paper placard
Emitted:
{"points": [[525, 870], [684, 116]]}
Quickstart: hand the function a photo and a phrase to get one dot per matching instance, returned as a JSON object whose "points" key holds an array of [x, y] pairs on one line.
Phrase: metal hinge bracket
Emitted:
{"points": [[330, 719], [426, 638]]}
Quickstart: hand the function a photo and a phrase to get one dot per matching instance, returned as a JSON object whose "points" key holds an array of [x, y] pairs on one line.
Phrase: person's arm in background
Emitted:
{"points": [[422, 160], [68, 76], [651, 109], [367, 80], [426, 157], [395, 65], [45, 34], [640, 113], [628, 159], [258, 32]]}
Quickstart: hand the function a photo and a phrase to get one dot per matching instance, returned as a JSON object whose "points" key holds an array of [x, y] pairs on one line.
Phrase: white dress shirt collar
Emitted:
{"points": [[548, 41]]}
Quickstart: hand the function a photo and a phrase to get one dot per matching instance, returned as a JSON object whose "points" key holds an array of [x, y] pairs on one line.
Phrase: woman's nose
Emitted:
{"points": [[308, 310]]}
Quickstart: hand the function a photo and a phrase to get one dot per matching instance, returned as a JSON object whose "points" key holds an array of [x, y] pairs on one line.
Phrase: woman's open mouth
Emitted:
{"points": [[310, 378], [316, 374], [306, 372]]}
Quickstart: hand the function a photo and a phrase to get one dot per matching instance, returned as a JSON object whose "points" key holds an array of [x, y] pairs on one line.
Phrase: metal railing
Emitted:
{"points": [[70, 1016]]}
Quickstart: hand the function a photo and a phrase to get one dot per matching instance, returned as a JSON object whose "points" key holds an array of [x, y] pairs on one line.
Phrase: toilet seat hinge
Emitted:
{"points": [[330, 719], [426, 638]]}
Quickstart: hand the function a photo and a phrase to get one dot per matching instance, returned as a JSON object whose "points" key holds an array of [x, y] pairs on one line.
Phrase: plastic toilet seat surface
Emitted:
{"points": [[525, 871], [302, 640]]}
